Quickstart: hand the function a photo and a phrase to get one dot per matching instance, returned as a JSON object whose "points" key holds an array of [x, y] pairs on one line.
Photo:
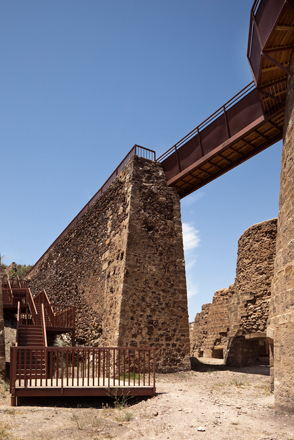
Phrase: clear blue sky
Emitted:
{"points": [[82, 81]]}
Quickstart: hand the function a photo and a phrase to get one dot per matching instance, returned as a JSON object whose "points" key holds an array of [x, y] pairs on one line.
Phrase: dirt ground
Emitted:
{"points": [[213, 403]]}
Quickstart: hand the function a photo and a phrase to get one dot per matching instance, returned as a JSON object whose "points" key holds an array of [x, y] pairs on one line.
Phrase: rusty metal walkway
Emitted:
{"points": [[252, 120], [82, 371]]}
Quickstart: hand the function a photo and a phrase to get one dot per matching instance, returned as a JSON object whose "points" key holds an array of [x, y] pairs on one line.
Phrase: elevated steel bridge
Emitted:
{"points": [[252, 120]]}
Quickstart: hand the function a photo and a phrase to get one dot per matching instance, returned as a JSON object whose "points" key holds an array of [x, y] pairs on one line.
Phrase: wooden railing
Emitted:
{"points": [[82, 367]]}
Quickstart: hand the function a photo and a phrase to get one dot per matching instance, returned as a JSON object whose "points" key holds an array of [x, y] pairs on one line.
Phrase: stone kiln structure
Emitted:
{"points": [[123, 267], [234, 325]]}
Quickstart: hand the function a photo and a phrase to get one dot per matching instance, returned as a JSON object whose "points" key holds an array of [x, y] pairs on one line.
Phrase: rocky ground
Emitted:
{"points": [[213, 403]]}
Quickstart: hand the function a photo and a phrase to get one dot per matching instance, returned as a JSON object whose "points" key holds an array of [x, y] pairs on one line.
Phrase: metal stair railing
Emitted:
{"points": [[42, 298], [17, 324], [31, 308], [56, 315], [43, 325], [7, 291]]}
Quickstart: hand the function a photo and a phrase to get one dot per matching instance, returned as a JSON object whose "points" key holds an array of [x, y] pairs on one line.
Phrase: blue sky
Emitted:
{"points": [[82, 81]]}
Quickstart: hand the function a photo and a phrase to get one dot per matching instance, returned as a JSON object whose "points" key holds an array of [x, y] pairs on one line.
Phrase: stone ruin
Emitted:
{"points": [[233, 327]]}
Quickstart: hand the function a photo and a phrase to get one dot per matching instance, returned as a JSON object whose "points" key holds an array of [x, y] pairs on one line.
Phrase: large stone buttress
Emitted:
{"points": [[123, 266]]}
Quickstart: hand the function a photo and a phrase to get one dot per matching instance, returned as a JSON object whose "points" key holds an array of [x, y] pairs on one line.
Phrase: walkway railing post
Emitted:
{"points": [[12, 375]]}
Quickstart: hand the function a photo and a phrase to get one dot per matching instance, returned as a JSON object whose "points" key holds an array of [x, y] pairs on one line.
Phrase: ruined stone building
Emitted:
{"points": [[122, 263], [233, 326]]}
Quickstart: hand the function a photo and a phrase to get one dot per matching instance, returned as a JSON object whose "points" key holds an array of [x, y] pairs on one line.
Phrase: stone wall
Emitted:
{"points": [[235, 322], [249, 304], [122, 265], [199, 332], [2, 338], [281, 325], [210, 335]]}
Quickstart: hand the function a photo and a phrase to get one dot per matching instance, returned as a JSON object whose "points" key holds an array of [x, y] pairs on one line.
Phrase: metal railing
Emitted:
{"points": [[18, 318], [56, 315], [221, 111], [42, 298], [43, 325], [82, 367], [31, 307], [13, 291], [136, 150], [7, 291]]}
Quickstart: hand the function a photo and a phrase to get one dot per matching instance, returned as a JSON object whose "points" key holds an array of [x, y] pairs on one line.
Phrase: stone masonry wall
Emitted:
{"points": [[249, 303], [122, 265], [2, 338], [212, 337], [154, 300], [199, 332], [75, 271], [281, 325], [237, 318]]}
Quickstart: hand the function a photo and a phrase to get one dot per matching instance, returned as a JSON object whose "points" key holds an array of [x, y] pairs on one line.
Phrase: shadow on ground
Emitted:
{"points": [[207, 365]]}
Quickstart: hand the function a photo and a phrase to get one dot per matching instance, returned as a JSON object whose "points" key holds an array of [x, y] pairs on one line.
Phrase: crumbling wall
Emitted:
{"points": [[210, 334], [123, 266], [236, 320], [199, 332]]}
